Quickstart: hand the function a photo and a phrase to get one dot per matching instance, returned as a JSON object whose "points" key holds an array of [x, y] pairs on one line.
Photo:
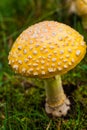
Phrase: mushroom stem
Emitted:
{"points": [[84, 21], [56, 102]]}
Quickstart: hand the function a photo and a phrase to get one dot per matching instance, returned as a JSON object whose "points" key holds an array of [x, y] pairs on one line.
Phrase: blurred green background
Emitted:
{"points": [[21, 102]]}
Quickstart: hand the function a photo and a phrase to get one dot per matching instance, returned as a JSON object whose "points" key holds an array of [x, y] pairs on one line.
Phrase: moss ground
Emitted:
{"points": [[22, 102]]}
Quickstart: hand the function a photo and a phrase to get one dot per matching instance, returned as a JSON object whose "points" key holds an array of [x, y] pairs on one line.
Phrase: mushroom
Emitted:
{"points": [[47, 50], [81, 10], [79, 7]]}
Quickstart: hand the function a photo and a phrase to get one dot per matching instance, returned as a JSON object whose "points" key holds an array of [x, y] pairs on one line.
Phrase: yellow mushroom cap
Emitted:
{"points": [[46, 49], [81, 7]]}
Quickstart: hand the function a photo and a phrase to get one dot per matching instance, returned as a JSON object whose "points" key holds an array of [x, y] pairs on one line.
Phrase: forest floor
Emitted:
{"points": [[22, 100]]}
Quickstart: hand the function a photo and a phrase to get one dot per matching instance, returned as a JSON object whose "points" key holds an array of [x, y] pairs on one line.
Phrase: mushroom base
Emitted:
{"points": [[60, 110], [56, 102]]}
